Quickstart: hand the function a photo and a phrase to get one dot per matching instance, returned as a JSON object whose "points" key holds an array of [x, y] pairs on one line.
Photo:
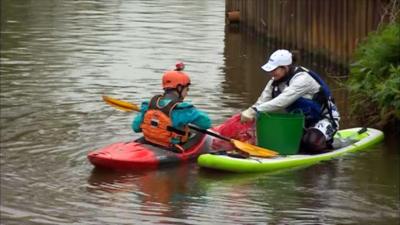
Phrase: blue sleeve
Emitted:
{"points": [[137, 121], [202, 120], [186, 113]]}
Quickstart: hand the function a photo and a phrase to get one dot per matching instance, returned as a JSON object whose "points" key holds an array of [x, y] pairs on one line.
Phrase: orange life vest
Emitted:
{"points": [[157, 124]]}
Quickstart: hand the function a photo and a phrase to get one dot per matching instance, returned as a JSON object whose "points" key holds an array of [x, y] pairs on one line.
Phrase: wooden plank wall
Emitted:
{"points": [[329, 27]]}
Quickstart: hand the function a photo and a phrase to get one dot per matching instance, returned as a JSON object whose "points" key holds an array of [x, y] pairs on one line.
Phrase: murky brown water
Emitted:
{"points": [[59, 57]]}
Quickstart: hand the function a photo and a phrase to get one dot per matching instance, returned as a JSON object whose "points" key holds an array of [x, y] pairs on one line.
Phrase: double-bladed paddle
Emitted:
{"points": [[246, 147]]}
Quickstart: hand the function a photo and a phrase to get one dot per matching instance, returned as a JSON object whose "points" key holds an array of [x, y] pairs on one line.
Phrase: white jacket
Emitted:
{"points": [[302, 84]]}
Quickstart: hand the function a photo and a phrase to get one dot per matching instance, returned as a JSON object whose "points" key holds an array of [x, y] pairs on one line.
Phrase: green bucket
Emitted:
{"points": [[280, 132]]}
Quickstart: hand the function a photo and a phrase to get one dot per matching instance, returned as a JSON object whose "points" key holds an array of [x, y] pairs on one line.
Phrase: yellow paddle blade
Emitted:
{"points": [[121, 105], [254, 150]]}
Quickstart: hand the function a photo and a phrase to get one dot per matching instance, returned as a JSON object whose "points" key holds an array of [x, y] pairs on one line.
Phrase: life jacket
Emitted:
{"points": [[313, 109], [157, 125]]}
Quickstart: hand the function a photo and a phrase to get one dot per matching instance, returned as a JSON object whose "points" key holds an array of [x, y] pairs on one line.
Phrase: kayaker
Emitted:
{"points": [[295, 88], [164, 112]]}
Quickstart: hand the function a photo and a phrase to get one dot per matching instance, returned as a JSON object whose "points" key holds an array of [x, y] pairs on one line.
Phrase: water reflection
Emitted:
{"points": [[162, 186]]}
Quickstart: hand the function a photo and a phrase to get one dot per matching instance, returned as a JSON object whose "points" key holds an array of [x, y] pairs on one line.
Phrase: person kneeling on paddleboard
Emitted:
{"points": [[164, 119], [293, 89]]}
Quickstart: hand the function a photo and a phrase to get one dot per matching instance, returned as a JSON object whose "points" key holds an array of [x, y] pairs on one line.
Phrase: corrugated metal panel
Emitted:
{"points": [[329, 27]]}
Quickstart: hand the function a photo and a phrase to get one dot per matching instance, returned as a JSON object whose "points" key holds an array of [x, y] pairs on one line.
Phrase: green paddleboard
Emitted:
{"points": [[254, 164]]}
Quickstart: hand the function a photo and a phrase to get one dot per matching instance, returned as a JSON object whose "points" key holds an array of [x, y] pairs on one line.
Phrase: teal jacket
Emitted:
{"points": [[183, 114]]}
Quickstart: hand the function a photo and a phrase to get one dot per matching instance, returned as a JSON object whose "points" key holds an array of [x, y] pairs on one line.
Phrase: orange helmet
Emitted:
{"points": [[172, 79]]}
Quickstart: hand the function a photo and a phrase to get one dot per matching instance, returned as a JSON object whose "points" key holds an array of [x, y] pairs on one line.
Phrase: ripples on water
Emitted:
{"points": [[59, 57]]}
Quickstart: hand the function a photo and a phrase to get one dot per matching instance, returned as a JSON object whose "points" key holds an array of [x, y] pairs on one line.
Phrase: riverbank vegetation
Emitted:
{"points": [[374, 81]]}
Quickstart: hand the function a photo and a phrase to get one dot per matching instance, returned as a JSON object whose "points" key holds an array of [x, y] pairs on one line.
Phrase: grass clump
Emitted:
{"points": [[374, 81]]}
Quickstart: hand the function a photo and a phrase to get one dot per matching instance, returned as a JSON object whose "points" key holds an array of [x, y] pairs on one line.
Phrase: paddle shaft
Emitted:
{"points": [[208, 132]]}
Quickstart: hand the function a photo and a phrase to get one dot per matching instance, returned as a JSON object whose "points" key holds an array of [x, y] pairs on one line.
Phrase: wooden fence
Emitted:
{"points": [[329, 27]]}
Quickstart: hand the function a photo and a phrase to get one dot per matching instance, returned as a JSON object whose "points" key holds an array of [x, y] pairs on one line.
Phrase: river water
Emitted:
{"points": [[59, 57]]}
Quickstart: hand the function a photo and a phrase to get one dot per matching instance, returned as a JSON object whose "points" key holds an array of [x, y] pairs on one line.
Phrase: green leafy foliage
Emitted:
{"points": [[374, 81]]}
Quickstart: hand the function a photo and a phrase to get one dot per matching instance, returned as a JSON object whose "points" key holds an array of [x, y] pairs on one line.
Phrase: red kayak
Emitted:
{"points": [[140, 154]]}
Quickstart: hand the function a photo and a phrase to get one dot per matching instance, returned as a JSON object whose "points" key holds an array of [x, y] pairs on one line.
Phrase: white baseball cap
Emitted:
{"points": [[281, 57]]}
